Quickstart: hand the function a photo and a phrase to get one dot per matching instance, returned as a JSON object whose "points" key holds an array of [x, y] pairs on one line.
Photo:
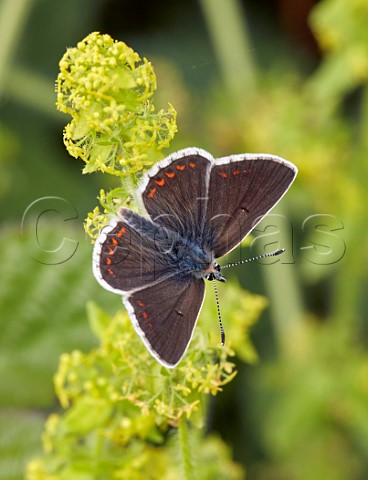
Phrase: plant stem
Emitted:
{"points": [[13, 16], [349, 282], [39, 94], [227, 28], [188, 473], [285, 297]]}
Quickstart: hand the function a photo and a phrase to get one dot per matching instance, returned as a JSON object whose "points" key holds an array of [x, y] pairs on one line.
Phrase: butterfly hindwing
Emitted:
{"points": [[165, 314], [129, 253], [242, 189]]}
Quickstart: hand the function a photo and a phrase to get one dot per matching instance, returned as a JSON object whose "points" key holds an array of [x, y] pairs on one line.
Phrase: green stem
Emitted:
{"points": [[364, 117], [349, 282], [350, 278], [285, 298], [227, 27], [188, 472], [13, 16], [38, 94]]}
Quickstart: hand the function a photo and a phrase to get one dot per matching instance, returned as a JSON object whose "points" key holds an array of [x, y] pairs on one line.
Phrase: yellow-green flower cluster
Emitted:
{"points": [[110, 203], [105, 86], [94, 222], [119, 405], [122, 373]]}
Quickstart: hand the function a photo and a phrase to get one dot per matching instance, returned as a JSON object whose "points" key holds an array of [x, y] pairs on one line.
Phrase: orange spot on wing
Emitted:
{"points": [[192, 165], [170, 174], [110, 251], [110, 272], [160, 182], [181, 167], [145, 315], [140, 303], [152, 192], [223, 174], [108, 261], [114, 242], [121, 232], [236, 172]]}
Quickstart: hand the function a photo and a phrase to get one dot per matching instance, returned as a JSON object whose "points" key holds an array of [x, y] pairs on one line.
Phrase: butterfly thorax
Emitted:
{"points": [[193, 259]]}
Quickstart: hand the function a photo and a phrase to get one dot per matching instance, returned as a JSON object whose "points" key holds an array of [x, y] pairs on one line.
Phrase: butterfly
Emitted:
{"points": [[197, 209]]}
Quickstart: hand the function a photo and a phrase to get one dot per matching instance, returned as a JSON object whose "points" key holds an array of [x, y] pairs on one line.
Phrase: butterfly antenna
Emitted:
{"points": [[219, 314], [265, 255]]}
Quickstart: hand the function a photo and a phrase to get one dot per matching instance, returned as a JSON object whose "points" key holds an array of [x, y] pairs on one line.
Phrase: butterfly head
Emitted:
{"points": [[214, 273]]}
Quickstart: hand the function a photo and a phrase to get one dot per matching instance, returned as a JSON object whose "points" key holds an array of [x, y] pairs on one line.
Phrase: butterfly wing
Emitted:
{"points": [[165, 314], [197, 199], [242, 189], [129, 253], [174, 192], [130, 259]]}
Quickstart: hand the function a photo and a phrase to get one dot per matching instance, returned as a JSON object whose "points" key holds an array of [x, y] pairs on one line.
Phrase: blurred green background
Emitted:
{"points": [[286, 77]]}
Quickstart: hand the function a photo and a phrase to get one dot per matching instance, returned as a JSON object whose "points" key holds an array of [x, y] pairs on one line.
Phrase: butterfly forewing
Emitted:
{"points": [[175, 196], [165, 315], [241, 191]]}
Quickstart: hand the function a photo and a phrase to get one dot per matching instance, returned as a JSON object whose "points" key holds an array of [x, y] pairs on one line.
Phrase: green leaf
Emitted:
{"points": [[42, 314], [98, 319], [88, 414], [20, 439]]}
